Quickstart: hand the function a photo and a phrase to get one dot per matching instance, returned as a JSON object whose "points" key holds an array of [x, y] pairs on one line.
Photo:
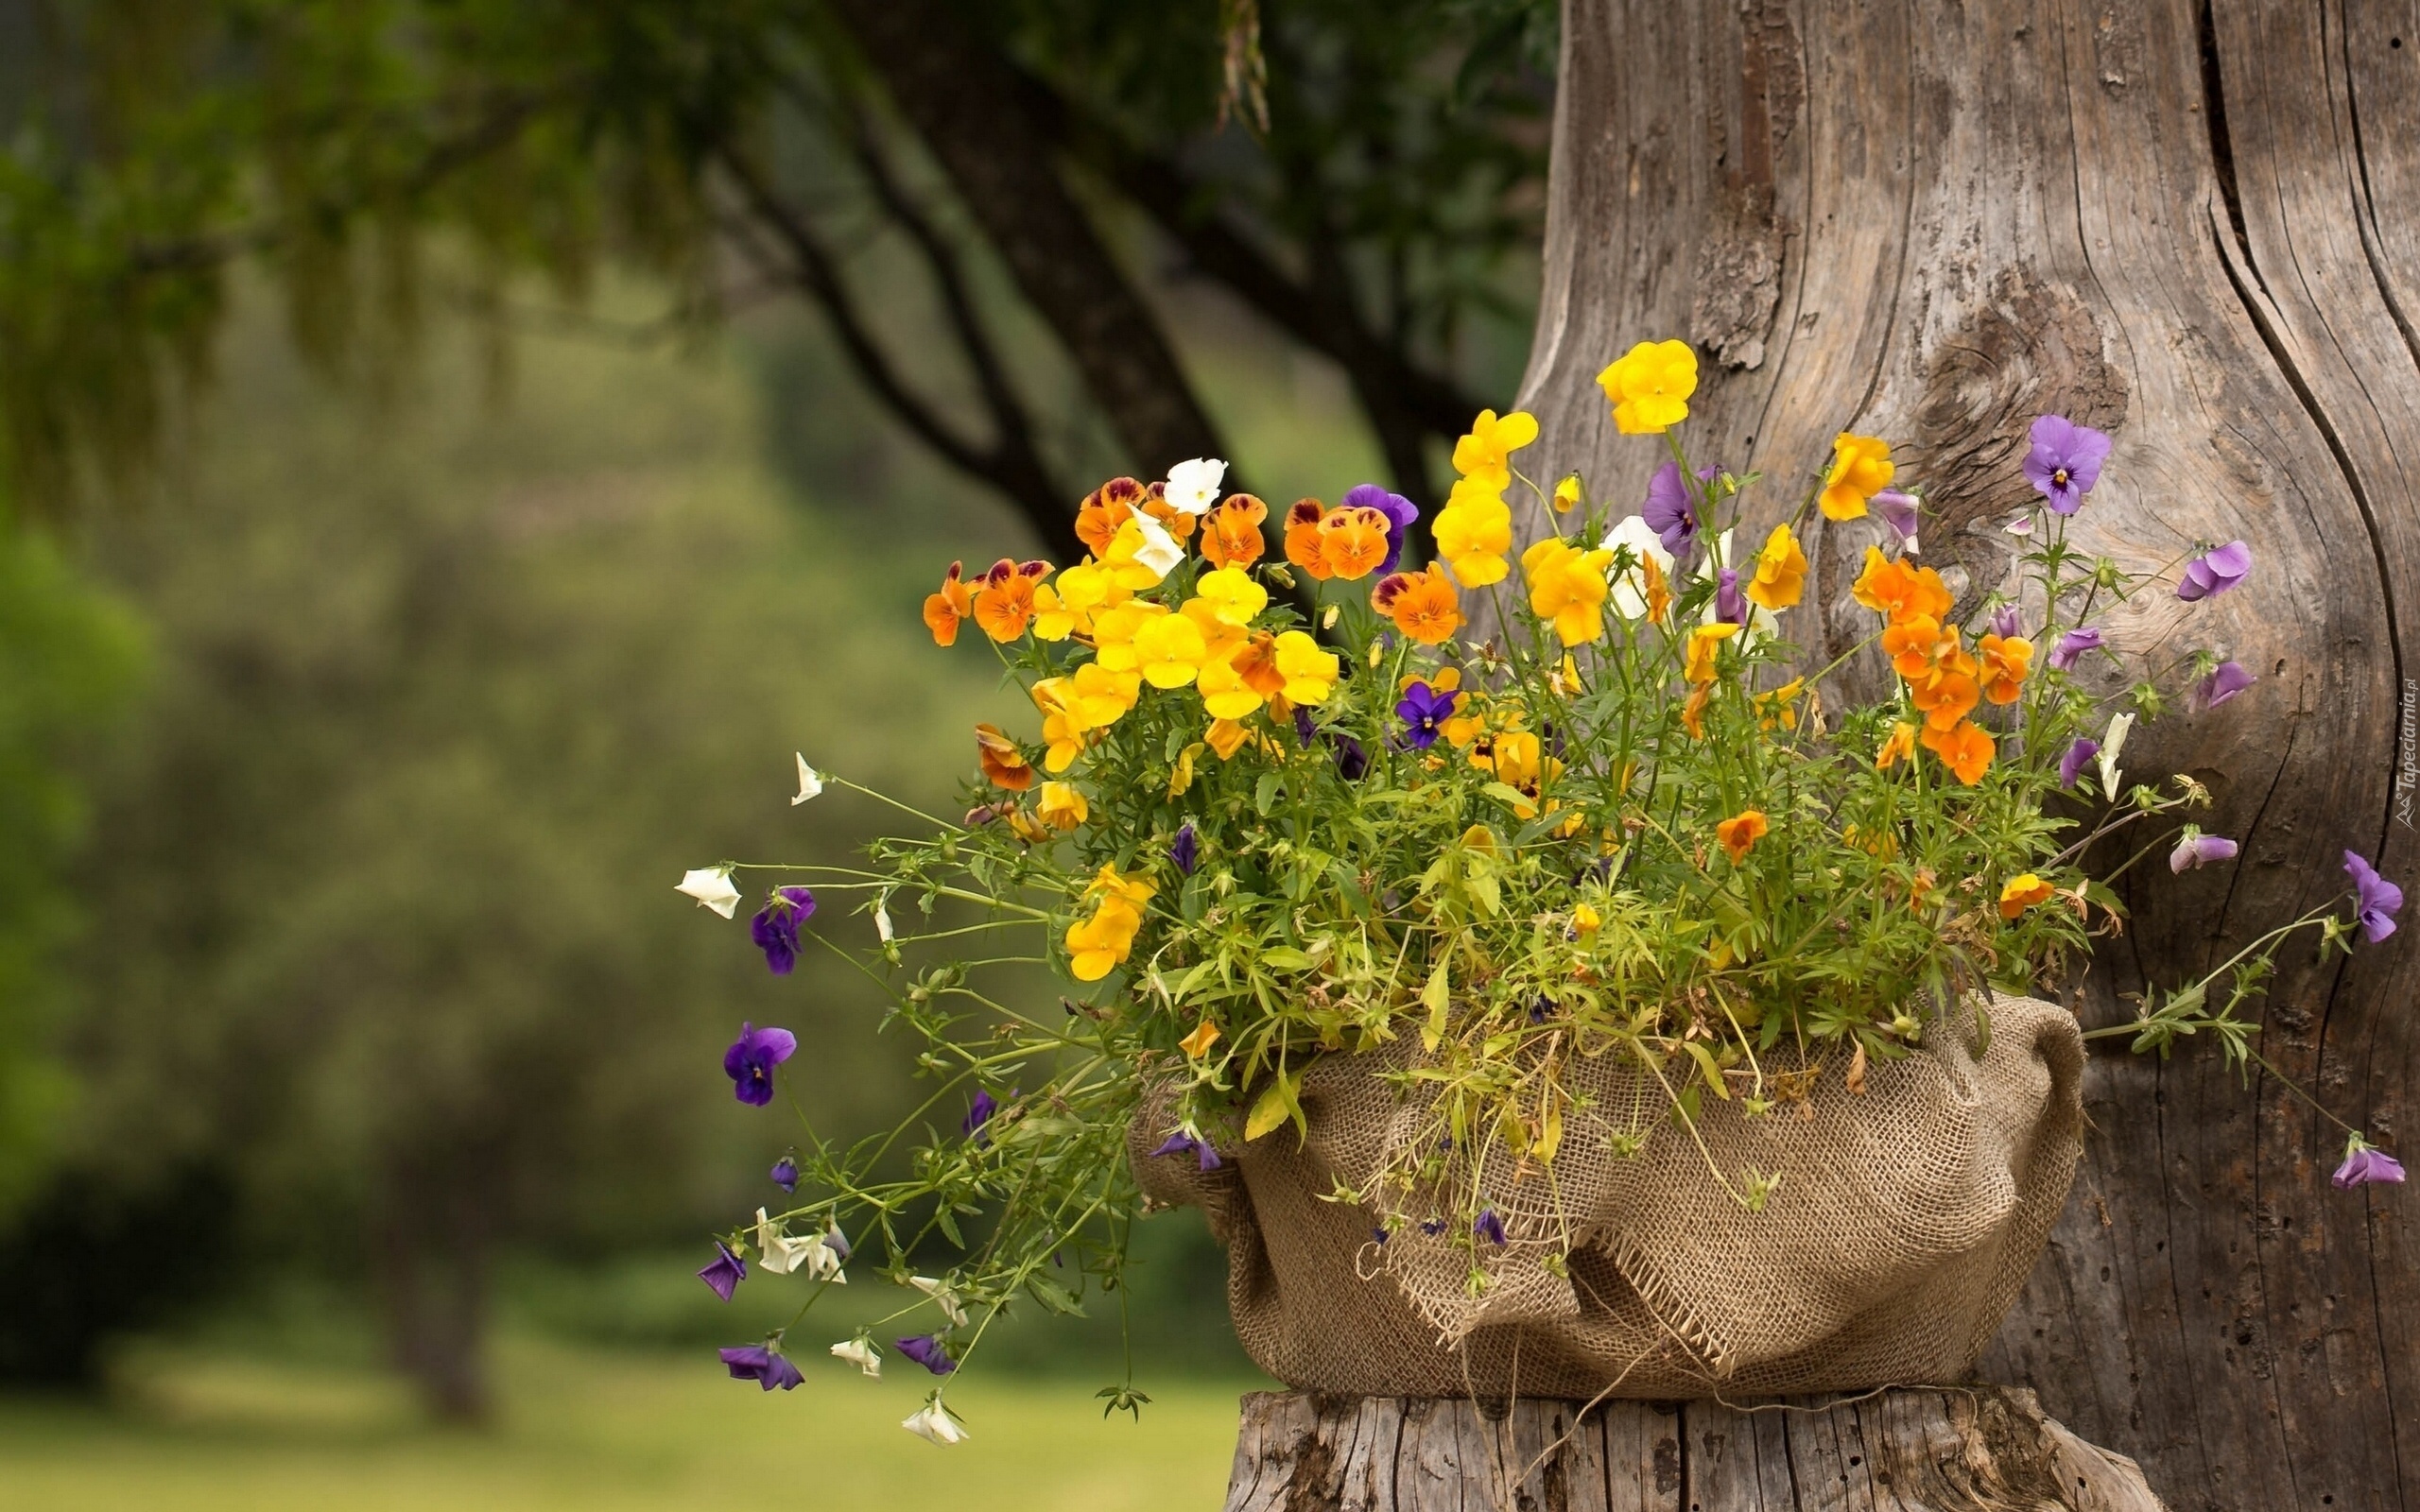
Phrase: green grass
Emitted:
{"points": [[602, 1431]]}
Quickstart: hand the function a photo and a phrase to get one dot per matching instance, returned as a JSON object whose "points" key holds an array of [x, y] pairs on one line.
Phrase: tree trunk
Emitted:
{"points": [[1931, 222], [1985, 1450]]}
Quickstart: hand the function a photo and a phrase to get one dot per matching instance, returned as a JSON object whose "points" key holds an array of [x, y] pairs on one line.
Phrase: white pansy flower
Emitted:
{"points": [[1630, 587], [2109, 745], [711, 886], [935, 1424], [2021, 526], [780, 1253], [1193, 487], [1160, 551], [882, 918], [809, 782], [861, 1353], [941, 1294]]}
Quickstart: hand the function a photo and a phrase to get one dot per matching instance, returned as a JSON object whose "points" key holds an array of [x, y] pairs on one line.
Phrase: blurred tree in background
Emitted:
{"points": [[475, 624]]}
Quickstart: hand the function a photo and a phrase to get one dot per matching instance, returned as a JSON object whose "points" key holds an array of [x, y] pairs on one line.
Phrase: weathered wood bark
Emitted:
{"points": [[1985, 1450], [2194, 224]]}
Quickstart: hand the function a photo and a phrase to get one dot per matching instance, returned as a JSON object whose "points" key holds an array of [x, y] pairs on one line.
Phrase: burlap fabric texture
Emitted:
{"points": [[1905, 1219]]}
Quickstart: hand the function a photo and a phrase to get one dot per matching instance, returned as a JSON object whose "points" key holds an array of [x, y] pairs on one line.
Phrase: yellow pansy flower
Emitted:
{"points": [[1780, 579], [1114, 628], [1474, 531], [1098, 697], [1140, 554], [1861, 469], [1310, 673], [1698, 667], [1231, 594], [1226, 737], [1169, 650], [1066, 605], [1650, 385], [1198, 1044], [1486, 452], [1567, 586], [1060, 729], [2023, 891], [1567, 493], [1061, 807], [1099, 944]]}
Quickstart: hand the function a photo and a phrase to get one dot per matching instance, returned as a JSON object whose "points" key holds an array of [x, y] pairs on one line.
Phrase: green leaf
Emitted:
{"points": [[1285, 958], [1706, 1063], [1264, 796], [1274, 1106], [1437, 997]]}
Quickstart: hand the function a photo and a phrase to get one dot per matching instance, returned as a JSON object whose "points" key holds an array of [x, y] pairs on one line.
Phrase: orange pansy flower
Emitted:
{"points": [[1004, 764], [2023, 891], [1004, 602], [1231, 535], [1966, 749], [1740, 833], [1104, 510], [1352, 543], [1899, 746], [2006, 659], [1899, 592], [945, 610], [1423, 603], [1693, 711], [1302, 537]]}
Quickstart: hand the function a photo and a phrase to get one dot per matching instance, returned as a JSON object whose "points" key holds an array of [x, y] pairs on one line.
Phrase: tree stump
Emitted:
{"points": [[2190, 223], [1981, 1449]]}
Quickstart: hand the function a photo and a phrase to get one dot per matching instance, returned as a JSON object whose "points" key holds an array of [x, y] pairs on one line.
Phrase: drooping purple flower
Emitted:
{"points": [[837, 1242], [1900, 511], [1352, 762], [2072, 646], [2066, 461], [726, 1271], [2228, 680], [776, 927], [927, 1350], [766, 1367], [1489, 1227], [1433, 1226], [2005, 622], [2197, 849], [2072, 765], [1400, 513], [1304, 730], [1186, 852], [1668, 512], [1424, 712], [1379, 1236], [1730, 605], [979, 1112], [2364, 1164], [2214, 572], [2376, 901], [785, 1174], [750, 1060], [1181, 1142]]}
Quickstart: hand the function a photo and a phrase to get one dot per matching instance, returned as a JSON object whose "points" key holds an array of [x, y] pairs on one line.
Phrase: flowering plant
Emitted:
{"points": [[1586, 798]]}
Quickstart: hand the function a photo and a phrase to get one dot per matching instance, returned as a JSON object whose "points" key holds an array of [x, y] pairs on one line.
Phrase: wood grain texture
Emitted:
{"points": [[2196, 226], [1983, 1449]]}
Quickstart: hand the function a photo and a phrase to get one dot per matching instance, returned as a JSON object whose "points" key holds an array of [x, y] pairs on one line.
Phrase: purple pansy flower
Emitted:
{"points": [[2364, 1164], [785, 1174], [1489, 1227], [2072, 646], [1304, 730], [1898, 511], [2072, 765], [776, 927], [2214, 572], [1186, 852], [2066, 461], [927, 1350], [750, 1060], [1668, 512], [1433, 1226], [979, 1112], [1352, 762], [1181, 1142], [2196, 849], [2005, 622], [2224, 683], [1730, 605], [1424, 712], [1400, 513], [727, 1271], [2375, 900], [766, 1367]]}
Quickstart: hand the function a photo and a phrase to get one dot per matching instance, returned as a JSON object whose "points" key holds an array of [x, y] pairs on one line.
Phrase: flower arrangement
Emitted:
{"points": [[1293, 798]]}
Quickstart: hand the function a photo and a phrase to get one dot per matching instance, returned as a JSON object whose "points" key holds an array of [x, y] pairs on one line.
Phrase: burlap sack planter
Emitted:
{"points": [[1905, 1219]]}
